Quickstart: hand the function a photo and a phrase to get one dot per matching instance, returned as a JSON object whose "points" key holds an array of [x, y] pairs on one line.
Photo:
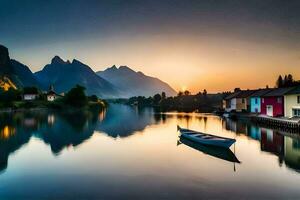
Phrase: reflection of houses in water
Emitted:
{"points": [[101, 115], [30, 123], [292, 153], [272, 142], [51, 119], [235, 126], [7, 131], [255, 132], [59, 130]]}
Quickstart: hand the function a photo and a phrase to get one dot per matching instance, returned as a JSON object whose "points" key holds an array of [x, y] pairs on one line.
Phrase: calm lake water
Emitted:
{"points": [[126, 153]]}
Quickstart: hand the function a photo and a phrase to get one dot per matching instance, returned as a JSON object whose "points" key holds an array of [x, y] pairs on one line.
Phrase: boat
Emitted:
{"points": [[217, 152], [206, 139]]}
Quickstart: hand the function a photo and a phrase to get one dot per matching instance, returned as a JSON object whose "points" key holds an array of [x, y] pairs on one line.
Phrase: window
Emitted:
{"points": [[298, 99], [243, 100], [279, 100], [296, 112], [256, 100], [263, 100]]}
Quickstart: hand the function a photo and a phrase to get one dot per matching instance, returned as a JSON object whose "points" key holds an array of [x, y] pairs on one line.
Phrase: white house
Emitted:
{"points": [[51, 95], [30, 97], [230, 102], [292, 103]]}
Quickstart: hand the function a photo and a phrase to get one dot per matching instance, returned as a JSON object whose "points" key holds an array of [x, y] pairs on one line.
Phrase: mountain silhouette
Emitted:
{"points": [[132, 83], [14, 73], [64, 75]]}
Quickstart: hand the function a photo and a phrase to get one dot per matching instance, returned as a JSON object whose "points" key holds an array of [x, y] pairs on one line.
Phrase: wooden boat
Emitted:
{"points": [[217, 152], [206, 139]]}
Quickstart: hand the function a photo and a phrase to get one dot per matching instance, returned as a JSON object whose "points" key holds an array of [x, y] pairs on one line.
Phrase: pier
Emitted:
{"points": [[284, 124]]}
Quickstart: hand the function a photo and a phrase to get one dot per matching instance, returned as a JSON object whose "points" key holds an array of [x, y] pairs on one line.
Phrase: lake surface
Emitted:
{"points": [[127, 153]]}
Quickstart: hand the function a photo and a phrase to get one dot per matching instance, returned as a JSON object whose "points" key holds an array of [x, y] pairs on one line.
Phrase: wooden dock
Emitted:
{"points": [[283, 124]]}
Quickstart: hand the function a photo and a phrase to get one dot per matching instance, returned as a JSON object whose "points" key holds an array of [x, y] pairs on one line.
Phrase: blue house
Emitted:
{"points": [[255, 100]]}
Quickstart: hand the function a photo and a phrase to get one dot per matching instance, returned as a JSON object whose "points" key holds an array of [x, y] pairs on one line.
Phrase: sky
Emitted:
{"points": [[211, 44]]}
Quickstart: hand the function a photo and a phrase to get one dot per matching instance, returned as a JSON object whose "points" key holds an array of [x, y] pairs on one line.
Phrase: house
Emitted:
{"points": [[243, 100], [292, 103], [255, 100], [229, 101], [272, 103], [30, 97], [51, 94], [30, 93]]}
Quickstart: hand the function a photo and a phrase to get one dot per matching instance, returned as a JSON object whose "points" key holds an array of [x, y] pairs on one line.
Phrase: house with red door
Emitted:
{"points": [[272, 103]]}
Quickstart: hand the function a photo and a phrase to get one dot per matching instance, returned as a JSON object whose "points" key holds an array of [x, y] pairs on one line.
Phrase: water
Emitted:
{"points": [[126, 153]]}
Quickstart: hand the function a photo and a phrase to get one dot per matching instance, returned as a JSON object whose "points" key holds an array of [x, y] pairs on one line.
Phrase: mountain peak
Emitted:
{"points": [[113, 67], [125, 68], [74, 61], [4, 56], [57, 60]]}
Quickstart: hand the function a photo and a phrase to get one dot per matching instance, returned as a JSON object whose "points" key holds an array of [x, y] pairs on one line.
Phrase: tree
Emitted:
{"points": [[279, 82], [284, 81], [290, 80], [186, 93], [156, 99], [76, 97], [30, 90], [9, 96], [237, 89], [93, 98], [204, 92], [179, 94], [163, 95]]}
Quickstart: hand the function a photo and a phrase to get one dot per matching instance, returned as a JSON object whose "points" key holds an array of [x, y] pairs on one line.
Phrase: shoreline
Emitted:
{"points": [[280, 123]]}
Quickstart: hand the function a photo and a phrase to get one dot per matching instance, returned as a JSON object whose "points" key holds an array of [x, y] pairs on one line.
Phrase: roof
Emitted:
{"points": [[278, 92], [295, 90], [51, 92], [231, 96], [245, 93], [261, 92]]}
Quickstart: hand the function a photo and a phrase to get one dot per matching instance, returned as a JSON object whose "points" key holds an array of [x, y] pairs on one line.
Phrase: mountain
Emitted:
{"points": [[133, 83], [13, 73], [64, 75]]}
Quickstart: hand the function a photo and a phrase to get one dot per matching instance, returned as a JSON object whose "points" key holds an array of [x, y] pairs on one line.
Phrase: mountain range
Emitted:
{"points": [[63, 75], [132, 83], [14, 74]]}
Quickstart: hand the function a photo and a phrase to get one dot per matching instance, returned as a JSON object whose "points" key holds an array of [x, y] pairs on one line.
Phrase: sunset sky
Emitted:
{"points": [[217, 45]]}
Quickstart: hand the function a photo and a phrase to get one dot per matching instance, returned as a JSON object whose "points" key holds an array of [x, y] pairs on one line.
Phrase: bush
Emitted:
{"points": [[76, 97]]}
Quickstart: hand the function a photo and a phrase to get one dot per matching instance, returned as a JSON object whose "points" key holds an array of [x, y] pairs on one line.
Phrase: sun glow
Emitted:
{"points": [[183, 88]]}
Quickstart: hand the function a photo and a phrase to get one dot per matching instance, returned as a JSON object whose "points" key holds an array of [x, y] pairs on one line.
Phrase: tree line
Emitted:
{"points": [[286, 81], [75, 97], [184, 101]]}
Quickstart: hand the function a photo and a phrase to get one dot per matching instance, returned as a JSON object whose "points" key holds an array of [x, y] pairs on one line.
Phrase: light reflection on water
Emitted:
{"points": [[126, 153]]}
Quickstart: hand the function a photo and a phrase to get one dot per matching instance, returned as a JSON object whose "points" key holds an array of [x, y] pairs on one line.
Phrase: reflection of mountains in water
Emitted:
{"points": [[221, 153], [57, 130], [281, 144], [64, 129], [122, 121]]}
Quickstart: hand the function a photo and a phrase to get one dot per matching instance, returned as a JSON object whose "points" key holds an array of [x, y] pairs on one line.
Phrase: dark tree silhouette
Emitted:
{"points": [[156, 99], [279, 82], [163, 95], [186, 93], [76, 97], [287, 81]]}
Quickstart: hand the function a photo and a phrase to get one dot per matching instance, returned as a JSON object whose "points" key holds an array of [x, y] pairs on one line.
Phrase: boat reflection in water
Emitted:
{"points": [[218, 152]]}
